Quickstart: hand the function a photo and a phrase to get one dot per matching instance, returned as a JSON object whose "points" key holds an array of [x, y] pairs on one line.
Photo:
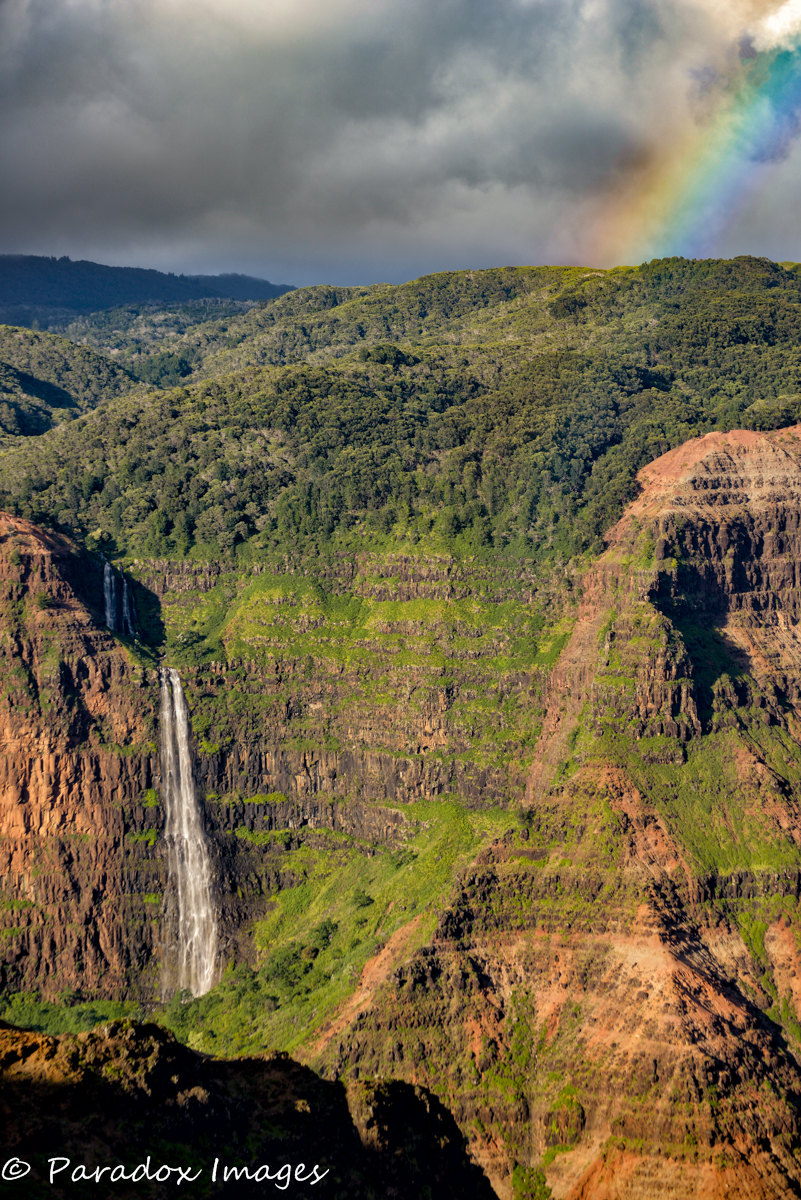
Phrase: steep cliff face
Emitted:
{"points": [[722, 519], [611, 999], [364, 677], [610, 1002], [77, 757]]}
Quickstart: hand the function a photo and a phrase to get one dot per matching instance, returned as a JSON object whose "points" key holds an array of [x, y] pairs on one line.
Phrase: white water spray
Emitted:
{"points": [[110, 596], [191, 960]]}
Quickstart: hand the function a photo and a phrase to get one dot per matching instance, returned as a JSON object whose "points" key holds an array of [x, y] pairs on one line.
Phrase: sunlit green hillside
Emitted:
{"points": [[476, 411]]}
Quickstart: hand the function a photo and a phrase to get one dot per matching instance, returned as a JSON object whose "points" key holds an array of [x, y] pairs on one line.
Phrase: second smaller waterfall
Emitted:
{"points": [[120, 610], [128, 609], [110, 596]]}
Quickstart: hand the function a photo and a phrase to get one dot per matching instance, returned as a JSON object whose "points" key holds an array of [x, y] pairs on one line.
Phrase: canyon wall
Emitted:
{"points": [[284, 740], [610, 1003], [77, 765]]}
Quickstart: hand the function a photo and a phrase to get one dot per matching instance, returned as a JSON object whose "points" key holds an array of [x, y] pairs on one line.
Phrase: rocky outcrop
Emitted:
{"points": [[77, 758], [693, 610], [127, 1095], [589, 1022], [370, 822], [264, 763]]}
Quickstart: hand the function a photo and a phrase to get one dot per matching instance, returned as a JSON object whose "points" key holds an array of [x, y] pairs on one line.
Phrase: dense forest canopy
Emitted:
{"points": [[45, 380], [469, 410]]}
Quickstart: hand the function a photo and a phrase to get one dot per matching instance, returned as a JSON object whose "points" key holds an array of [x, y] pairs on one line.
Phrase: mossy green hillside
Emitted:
{"points": [[561, 903], [723, 816], [717, 774], [437, 675]]}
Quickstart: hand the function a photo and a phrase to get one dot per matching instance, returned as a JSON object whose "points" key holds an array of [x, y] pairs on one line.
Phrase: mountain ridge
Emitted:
{"points": [[44, 287]]}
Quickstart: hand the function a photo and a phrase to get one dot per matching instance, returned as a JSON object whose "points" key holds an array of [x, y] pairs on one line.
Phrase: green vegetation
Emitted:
{"points": [[313, 945], [489, 421], [148, 836], [47, 380], [471, 658], [69, 1015], [528, 1184], [378, 502], [701, 787]]}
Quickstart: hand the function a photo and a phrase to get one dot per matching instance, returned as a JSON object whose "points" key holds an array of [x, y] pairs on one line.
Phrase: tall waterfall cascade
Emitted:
{"points": [[191, 953], [110, 596]]}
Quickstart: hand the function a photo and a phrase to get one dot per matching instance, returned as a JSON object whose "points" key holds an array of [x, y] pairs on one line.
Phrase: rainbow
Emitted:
{"points": [[683, 200]]}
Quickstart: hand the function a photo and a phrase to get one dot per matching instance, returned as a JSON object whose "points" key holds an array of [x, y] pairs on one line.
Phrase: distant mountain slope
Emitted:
{"points": [[35, 281], [45, 379], [662, 315], [661, 311], [520, 420]]}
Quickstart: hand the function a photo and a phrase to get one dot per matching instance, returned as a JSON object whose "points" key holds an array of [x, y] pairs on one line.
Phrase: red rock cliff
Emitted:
{"points": [[77, 756]]}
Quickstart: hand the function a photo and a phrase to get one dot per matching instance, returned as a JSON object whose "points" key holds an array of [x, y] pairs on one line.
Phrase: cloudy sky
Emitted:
{"points": [[354, 141]]}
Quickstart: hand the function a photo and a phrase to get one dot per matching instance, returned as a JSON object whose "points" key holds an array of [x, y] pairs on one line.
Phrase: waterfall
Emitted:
{"points": [[110, 596], [128, 609], [192, 949]]}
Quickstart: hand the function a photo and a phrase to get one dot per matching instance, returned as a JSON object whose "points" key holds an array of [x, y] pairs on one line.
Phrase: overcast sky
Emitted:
{"points": [[353, 141]]}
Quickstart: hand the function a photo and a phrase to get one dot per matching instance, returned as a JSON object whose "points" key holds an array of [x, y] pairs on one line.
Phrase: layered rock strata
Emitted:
{"points": [[77, 758], [83, 865], [610, 1004], [364, 677]]}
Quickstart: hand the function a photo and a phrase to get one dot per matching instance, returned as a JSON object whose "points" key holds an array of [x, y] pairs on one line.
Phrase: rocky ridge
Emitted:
{"points": [[128, 1094]]}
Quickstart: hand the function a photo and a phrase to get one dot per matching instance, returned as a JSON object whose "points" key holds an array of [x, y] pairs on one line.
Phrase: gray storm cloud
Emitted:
{"points": [[343, 140]]}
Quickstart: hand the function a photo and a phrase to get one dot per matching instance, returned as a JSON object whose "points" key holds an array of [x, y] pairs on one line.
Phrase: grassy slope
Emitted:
{"points": [[348, 902]]}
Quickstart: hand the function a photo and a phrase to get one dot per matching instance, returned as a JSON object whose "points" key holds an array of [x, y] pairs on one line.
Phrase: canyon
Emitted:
{"points": [[399, 728], [607, 1001]]}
